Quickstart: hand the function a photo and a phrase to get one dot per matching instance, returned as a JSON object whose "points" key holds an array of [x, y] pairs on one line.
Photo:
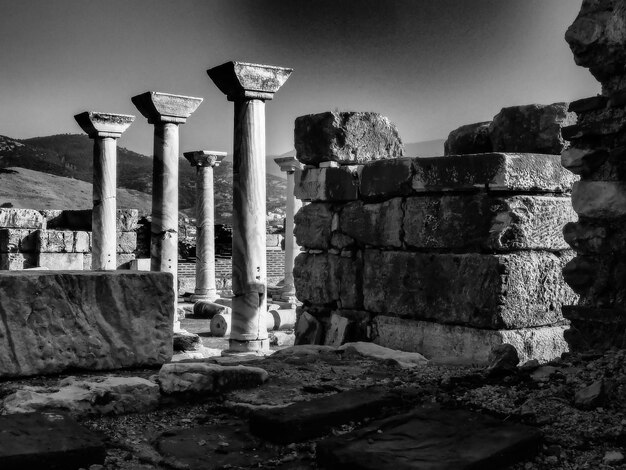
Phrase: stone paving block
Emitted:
{"points": [[18, 261], [308, 419], [431, 438], [378, 224], [328, 184], [61, 261], [17, 240], [386, 178], [21, 218], [492, 171], [47, 441], [84, 320], [508, 291], [313, 225]]}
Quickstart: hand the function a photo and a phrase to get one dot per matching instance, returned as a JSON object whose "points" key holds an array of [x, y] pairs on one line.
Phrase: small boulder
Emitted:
{"points": [[185, 341], [469, 139]]}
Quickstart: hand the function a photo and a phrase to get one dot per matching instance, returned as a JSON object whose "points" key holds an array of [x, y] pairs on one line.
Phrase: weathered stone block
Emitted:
{"points": [[328, 184], [55, 241], [492, 171], [18, 261], [345, 137], [533, 128], [469, 139], [519, 290], [599, 199], [21, 218], [313, 225], [329, 279], [373, 224], [16, 240], [387, 178], [480, 222], [453, 344], [89, 320], [61, 261], [126, 242]]}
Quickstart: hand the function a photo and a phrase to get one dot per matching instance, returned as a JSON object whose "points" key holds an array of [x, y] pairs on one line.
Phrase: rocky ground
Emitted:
{"points": [[578, 403]]}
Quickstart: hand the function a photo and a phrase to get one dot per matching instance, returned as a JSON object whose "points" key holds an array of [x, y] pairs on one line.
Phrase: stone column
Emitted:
{"points": [[104, 129], [249, 86], [205, 161], [166, 112], [289, 165]]}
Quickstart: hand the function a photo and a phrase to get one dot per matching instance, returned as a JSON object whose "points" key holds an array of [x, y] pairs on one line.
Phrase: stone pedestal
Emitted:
{"points": [[205, 161], [289, 165], [166, 112], [104, 129], [249, 86]]}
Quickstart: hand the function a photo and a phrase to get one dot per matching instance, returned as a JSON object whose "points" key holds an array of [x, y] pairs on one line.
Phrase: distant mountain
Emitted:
{"points": [[70, 156]]}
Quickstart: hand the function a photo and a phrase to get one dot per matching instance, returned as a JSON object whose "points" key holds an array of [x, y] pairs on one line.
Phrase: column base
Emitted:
{"points": [[210, 297], [258, 347]]}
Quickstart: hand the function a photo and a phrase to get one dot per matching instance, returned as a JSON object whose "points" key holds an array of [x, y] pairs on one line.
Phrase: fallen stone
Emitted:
{"points": [[533, 128], [47, 441], [406, 360], [328, 184], [503, 357], [509, 291], [314, 225], [469, 139], [345, 137], [21, 218], [308, 419], [431, 438], [201, 377], [86, 320], [387, 178], [308, 330], [591, 396], [451, 344], [92, 397], [207, 309], [185, 341]]}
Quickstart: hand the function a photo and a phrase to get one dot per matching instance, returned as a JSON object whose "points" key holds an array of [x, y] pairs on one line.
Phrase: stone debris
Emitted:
{"points": [[469, 139], [401, 358]]}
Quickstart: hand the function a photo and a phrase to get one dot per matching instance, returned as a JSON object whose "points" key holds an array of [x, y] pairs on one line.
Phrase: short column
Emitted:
{"points": [[104, 129], [166, 112], [289, 165], [205, 161], [249, 86]]}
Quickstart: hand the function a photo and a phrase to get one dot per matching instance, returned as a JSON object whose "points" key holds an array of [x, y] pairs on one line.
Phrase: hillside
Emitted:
{"points": [[69, 155]]}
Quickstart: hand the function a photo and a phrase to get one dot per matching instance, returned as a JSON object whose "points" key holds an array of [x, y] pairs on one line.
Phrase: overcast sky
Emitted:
{"points": [[429, 65]]}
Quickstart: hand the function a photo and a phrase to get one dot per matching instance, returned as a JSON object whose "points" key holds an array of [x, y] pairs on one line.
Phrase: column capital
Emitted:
{"points": [[243, 81], [165, 107], [288, 164], [97, 124], [205, 158]]}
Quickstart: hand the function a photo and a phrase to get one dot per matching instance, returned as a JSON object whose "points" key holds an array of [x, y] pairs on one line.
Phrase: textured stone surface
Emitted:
{"points": [[519, 290], [16, 240], [480, 222], [493, 171], [452, 344], [157, 106], [596, 236], [533, 128], [103, 124], [387, 178], [373, 224], [345, 137], [54, 321], [328, 184], [202, 377], [61, 261], [17, 261], [47, 441], [404, 359], [62, 241], [469, 139], [599, 199], [314, 225], [21, 218], [239, 80], [79, 397]]}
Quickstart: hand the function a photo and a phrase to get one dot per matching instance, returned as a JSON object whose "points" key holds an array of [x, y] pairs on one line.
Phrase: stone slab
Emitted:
{"points": [[461, 345], [492, 171], [17, 240], [21, 218], [55, 321], [328, 184], [431, 438], [61, 261], [47, 441], [378, 224], [508, 291], [386, 178], [308, 419]]}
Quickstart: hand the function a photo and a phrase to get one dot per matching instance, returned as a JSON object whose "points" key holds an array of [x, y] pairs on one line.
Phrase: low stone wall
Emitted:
{"points": [[445, 256], [51, 322]]}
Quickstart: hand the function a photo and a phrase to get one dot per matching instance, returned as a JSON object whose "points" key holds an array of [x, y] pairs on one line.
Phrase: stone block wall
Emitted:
{"points": [[445, 256]]}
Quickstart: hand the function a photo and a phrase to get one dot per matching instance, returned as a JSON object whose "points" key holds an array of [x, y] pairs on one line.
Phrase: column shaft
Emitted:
{"points": [[291, 247], [104, 234], [249, 214], [205, 234]]}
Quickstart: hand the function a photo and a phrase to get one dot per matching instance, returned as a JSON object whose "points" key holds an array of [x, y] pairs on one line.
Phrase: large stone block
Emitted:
{"points": [[483, 223], [518, 290], [599, 199], [345, 137], [533, 128], [56, 321], [453, 344], [469, 139], [327, 279], [387, 178], [328, 184], [373, 224], [61, 261], [21, 218], [17, 240], [492, 171], [61, 241], [313, 225]]}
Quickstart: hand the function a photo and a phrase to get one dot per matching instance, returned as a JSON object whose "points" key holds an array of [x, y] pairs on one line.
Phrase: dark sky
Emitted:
{"points": [[429, 65]]}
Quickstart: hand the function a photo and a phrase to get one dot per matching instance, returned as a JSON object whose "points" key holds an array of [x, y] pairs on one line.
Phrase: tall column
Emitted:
{"points": [[166, 112], [104, 129], [205, 161], [289, 165], [249, 86]]}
